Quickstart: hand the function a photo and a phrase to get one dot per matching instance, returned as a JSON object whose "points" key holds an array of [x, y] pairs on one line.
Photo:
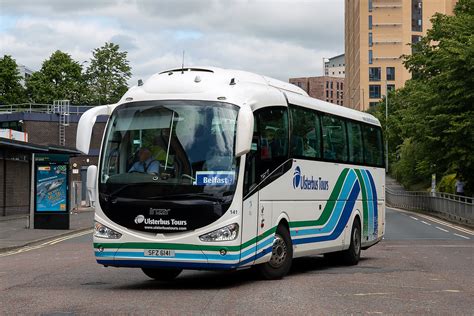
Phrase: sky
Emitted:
{"points": [[276, 38]]}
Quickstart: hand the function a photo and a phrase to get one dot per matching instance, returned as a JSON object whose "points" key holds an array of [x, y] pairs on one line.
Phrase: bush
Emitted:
{"points": [[447, 184]]}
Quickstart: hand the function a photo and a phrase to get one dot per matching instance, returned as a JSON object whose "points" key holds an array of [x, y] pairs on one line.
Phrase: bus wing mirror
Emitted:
{"points": [[244, 135], [91, 177], [91, 183], [85, 126]]}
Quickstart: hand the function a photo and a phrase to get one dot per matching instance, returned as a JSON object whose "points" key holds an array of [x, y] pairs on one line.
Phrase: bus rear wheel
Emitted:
{"points": [[282, 256], [350, 256], [162, 274]]}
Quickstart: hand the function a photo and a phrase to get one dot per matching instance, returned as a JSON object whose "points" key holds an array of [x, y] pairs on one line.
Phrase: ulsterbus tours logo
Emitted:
{"points": [[139, 219], [308, 183]]}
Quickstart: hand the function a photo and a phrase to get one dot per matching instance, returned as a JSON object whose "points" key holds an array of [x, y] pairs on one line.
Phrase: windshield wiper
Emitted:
{"points": [[203, 196], [114, 193]]}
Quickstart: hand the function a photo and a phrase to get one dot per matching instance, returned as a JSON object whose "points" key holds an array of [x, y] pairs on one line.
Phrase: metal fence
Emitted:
{"points": [[451, 206], [40, 108]]}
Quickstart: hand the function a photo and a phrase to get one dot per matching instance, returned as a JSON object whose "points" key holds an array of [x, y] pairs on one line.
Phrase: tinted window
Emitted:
{"points": [[305, 134], [334, 138], [355, 142], [373, 152], [375, 73], [374, 91]]}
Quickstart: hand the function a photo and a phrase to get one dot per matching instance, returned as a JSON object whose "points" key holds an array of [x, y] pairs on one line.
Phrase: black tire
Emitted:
{"points": [[162, 274], [282, 256], [351, 256]]}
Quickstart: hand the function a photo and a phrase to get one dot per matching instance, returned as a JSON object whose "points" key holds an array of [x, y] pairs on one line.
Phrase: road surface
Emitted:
{"points": [[423, 266]]}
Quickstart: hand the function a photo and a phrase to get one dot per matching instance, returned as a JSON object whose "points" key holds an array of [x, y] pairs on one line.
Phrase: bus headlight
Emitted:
{"points": [[102, 231], [226, 233]]}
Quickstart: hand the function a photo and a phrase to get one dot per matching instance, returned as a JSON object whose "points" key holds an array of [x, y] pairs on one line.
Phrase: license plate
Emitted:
{"points": [[159, 253]]}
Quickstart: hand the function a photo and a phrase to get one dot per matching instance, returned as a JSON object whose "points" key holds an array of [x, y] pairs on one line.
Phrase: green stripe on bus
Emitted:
{"points": [[364, 203], [328, 209], [148, 245]]}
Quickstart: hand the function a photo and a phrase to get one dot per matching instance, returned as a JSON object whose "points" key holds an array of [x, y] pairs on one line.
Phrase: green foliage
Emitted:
{"points": [[431, 119], [107, 74], [11, 90], [60, 78], [447, 184]]}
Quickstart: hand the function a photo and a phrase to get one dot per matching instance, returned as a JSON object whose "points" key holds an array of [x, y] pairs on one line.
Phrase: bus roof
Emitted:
{"points": [[177, 81]]}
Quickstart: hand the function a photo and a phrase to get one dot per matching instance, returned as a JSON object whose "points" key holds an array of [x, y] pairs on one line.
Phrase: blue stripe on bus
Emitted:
{"points": [[370, 199], [194, 256], [374, 190], [346, 214]]}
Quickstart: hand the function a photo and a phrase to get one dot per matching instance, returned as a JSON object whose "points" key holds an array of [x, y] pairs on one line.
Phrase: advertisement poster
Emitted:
{"points": [[51, 188]]}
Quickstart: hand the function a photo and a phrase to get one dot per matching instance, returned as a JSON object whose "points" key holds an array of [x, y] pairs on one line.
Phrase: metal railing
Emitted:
{"points": [[459, 208], [40, 108]]}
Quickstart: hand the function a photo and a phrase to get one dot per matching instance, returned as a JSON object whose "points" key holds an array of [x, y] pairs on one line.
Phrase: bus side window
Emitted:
{"points": [[273, 127], [373, 148], [269, 145], [305, 133], [355, 142], [334, 138]]}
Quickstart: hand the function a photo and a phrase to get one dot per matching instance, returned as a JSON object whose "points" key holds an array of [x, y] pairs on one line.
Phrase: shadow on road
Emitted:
{"points": [[208, 280]]}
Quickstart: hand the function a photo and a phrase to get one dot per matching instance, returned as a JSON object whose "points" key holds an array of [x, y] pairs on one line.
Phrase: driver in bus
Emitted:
{"points": [[146, 163]]}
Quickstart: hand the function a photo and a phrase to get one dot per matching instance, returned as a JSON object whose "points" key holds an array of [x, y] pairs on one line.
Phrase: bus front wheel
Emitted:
{"points": [[282, 256], [162, 274]]}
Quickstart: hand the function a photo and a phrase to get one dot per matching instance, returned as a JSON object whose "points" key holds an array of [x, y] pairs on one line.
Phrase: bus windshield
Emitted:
{"points": [[159, 149]]}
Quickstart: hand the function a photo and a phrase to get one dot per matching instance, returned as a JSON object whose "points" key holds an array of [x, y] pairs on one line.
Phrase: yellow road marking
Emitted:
{"points": [[45, 244]]}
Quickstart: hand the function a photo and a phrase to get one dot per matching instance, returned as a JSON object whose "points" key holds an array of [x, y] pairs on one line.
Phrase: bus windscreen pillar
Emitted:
{"points": [[51, 191]]}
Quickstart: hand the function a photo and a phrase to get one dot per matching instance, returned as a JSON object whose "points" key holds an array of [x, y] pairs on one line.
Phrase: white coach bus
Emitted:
{"points": [[208, 168]]}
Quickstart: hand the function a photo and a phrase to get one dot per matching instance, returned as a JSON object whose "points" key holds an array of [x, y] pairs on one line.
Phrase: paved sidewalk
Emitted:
{"points": [[15, 234]]}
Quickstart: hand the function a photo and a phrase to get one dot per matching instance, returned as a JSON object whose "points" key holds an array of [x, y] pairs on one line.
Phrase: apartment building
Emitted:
{"points": [[326, 88], [335, 66], [377, 34]]}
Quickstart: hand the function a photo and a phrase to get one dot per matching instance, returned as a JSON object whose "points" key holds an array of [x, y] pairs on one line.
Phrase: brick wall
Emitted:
{"points": [[47, 133], [16, 198]]}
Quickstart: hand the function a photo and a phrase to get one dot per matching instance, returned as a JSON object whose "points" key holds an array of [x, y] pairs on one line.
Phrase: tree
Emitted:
{"points": [[107, 74], [433, 115], [60, 78], [11, 90]]}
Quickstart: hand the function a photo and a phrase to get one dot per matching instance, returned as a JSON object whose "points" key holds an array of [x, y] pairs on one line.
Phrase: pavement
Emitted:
{"points": [[422, 267], [14, 231]]}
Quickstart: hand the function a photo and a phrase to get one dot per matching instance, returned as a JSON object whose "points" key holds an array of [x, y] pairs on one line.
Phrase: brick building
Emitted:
{"points": [[326, 88], [43, 129]]}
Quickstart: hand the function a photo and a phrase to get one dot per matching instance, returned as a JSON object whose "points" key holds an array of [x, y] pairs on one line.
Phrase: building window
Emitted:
{"points": [[370, 40], [370, 57], [414, 39], [370, 5], [390, 73], [337, 85], [374, 91], [372, 104], [327, 84], [370, 22], [342, 103], [332, 86], [332, 95], [390, 88], [327, 93], [375, 73], [416, 15], [337, 95], [342, 85]]}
